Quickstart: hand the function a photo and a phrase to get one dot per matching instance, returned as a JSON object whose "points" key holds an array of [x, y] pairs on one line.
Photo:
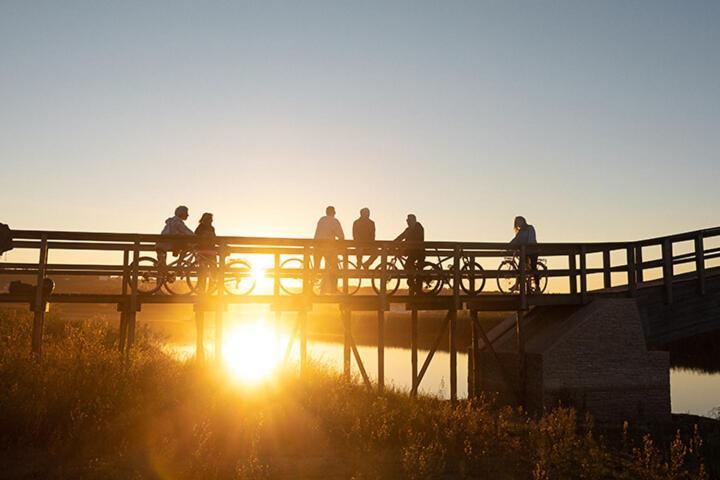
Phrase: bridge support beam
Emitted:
{"points": [[381, 350], [414, 349], [346, 316], [452, 324], [39, 305]]}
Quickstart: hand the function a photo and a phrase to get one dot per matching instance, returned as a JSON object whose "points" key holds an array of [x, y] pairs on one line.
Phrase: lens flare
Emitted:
{"points": [[251, 352]]}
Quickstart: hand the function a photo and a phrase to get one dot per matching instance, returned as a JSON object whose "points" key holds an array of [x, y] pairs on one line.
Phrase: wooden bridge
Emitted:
{"points": [[675, 280]]}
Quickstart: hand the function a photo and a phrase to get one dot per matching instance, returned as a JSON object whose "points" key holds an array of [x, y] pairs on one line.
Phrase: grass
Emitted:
{"points": [[85, 412]]}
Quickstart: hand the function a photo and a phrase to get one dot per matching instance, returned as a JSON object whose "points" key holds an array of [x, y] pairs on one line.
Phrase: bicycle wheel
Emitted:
{"points": [[201, 277], [431, 281], [327, 281], [354, 282], [178, 278], [239, 279], [149, 277], [472, 278], [291, 282], [391, 285], [508, 283], [542, 278]]}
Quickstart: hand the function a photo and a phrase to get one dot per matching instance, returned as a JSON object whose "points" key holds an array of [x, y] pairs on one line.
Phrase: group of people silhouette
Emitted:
{"points": [[329, 228]]}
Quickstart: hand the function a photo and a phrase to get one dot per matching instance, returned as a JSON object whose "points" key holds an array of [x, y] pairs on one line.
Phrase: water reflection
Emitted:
{"points": [[692, 391]]}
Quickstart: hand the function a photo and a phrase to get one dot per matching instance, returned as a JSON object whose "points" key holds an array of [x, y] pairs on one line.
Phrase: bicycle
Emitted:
{"points": [[472, 274], [192, 273], [536, 280], [318, 277], [431, 280]]}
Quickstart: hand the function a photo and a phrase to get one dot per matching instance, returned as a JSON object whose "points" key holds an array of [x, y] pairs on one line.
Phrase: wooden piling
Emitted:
{"points": [[346, 315], [39, 304], [414, 348], [453, 354], [381, 350]]}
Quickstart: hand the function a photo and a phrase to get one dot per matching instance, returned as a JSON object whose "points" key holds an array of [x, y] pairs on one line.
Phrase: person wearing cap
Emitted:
{"points": [[174, 225]]}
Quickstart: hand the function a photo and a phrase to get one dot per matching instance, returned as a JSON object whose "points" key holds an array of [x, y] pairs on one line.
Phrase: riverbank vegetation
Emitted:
{"points": [[84, 411]]}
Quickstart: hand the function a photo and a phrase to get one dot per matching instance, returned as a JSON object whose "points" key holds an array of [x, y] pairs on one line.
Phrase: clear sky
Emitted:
{"points": [[596, 120]]}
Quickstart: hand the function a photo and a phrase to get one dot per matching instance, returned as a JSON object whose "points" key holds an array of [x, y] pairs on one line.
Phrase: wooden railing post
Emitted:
{"points": [[700, 262], [607, 276], [631, 279], [667, 268], [572, 276], [583, 273], [640, 274], [39, 303]]}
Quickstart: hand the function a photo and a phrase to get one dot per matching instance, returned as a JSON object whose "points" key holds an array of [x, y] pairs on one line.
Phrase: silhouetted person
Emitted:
{"points": [[206, 250], [206, 236], [525, 235], [364, 231], [173, 226], [328, 228], [415, 254]]}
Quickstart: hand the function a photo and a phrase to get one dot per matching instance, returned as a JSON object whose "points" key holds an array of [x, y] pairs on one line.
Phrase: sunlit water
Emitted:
{"points": [[252, 352]]}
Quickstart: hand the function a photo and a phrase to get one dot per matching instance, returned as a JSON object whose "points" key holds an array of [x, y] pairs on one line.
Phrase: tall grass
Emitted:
{"points": [[85, 412]]}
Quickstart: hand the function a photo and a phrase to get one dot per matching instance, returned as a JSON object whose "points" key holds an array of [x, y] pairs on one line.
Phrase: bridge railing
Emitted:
{"points": [[262, 267]]}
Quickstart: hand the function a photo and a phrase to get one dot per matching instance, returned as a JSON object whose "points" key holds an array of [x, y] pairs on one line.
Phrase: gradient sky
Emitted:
{"points": [[596, 120]]}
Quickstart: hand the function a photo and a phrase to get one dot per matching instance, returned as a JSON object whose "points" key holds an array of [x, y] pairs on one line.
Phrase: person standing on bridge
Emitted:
{"points": [[364, 231], [525, 235], [415, 255], [328, 228], [173, 226]]}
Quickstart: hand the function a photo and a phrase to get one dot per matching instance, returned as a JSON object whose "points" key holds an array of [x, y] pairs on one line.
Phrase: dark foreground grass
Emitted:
{"points": [[83, 412]]}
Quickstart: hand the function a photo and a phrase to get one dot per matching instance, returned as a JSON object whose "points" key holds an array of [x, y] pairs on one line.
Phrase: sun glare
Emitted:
{"points": [[251, 351]]}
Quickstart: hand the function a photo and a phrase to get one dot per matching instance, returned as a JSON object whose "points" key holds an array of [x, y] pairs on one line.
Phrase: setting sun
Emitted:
{"points": [[251, 352]]}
